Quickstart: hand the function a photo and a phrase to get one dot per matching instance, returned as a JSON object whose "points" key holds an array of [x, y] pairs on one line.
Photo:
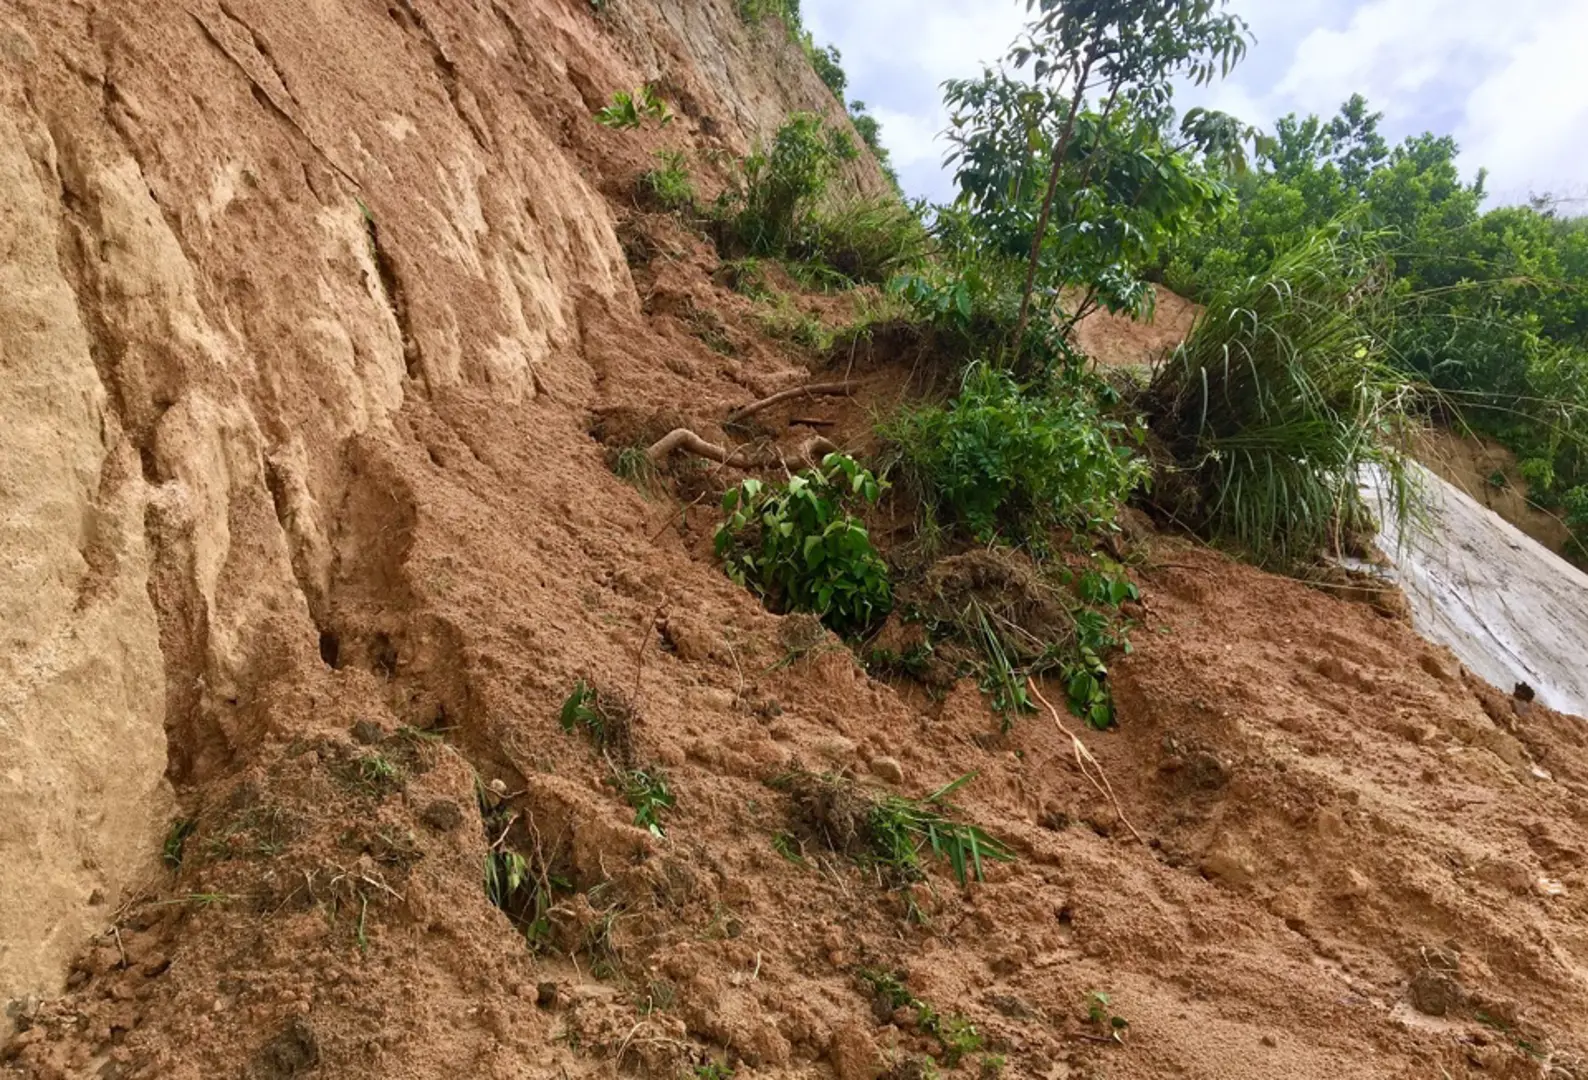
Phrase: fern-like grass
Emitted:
{"points": [[1279, 402]]}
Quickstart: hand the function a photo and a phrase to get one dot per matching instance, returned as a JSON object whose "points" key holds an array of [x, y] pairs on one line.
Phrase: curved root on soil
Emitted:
{"points": [[809, 390], [1083, 758], [742, 457]]}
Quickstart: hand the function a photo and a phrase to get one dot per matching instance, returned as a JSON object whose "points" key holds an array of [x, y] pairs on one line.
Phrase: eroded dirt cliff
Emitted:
{"points": [[239, 240], [310, 316]]}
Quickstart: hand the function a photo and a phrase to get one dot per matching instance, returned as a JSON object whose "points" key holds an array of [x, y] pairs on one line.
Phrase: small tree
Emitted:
{"points": [[1128, 52]]}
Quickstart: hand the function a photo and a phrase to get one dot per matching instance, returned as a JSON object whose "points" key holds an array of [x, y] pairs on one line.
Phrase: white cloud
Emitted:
{"points": [[1501, 77], [1527, 121], [899, 52]]}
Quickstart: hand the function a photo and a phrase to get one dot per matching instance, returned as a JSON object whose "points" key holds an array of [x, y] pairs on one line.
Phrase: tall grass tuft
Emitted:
{"points": [[868, 240], [1279, 403]]}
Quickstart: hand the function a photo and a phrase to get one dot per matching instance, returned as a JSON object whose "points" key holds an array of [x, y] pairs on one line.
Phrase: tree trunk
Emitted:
{"points": [[1047, 211]]}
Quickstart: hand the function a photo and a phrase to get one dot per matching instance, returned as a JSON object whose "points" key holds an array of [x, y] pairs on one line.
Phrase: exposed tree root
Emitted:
{"points": [[809, 390], [742, 457], [1084, 758]]}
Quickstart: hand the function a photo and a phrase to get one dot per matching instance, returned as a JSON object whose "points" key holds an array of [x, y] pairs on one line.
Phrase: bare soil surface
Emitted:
{"points": [[1116, 341], [1354, 858], [1486, 472]]}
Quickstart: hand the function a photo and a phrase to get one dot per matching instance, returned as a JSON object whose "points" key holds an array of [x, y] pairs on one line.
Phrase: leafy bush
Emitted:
{"points": [[797, 546], [629, 111], [1278, 403], [755, 11], [778, 186], [670, 185], [829, 67], [1004, 460]]}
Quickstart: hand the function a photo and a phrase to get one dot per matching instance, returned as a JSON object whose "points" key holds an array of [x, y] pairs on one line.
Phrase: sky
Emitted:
{"points": [[1507, 78]]}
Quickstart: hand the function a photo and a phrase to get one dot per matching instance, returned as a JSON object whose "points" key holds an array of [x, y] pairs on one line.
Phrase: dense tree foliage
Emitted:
{"points": [[1489, 307]]}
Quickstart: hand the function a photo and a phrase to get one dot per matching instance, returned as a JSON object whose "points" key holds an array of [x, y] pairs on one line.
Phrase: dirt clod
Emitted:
{"points": [[831, 811], [442, 815], [293, 1052], [887, 769], [1434, 992]]}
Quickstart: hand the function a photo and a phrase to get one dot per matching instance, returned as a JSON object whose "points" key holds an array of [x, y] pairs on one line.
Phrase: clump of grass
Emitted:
{"points": [[868, 241], [902, 831], [780, 318], [1003, 618], [633, 464], [708, 326], [746, 276], [957, 1037], [1279, 403], [379, 771], [897, 835], [258, 831], [176, 838], [670, 186], [371, 773]]}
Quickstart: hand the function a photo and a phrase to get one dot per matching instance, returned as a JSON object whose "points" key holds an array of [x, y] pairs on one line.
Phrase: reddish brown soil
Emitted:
{"points": [[1341, 829], [1117, 341]]}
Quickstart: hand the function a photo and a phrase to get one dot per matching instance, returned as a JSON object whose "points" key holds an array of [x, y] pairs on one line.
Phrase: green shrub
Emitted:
{"points": [[779, 185], [829, 67], [1277, 403], [755, 11], [670, 186], [629, 111], [798, 547], [1001, 460]]}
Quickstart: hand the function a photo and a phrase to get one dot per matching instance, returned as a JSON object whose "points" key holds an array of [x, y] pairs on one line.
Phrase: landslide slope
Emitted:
{"points": [[311, 317]]}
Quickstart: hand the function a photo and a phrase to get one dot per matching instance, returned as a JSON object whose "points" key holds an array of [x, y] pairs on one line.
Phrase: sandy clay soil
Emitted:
{"points": [[1331, 852]]}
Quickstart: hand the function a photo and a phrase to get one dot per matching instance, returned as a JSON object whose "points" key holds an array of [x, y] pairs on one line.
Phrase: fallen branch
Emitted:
{"points": [[738, 458], [809, 390], [1083, 758]]}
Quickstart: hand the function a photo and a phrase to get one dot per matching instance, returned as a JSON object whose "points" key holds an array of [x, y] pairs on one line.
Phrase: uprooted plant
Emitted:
{"points": [[1002, 618], [890, 833], [669, 185], [799, 547], [1011, 464], [606, 718]]}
